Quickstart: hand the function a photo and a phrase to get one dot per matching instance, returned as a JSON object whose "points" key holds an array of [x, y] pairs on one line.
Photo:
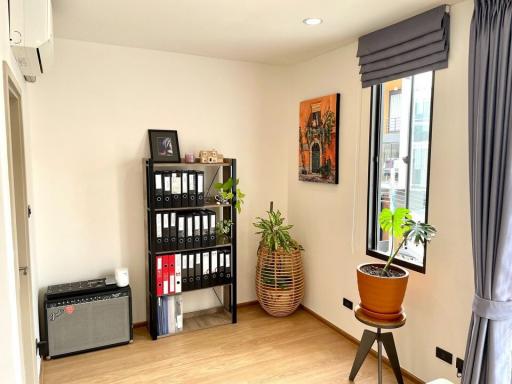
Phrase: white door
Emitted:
{"points": [[19, 204]]}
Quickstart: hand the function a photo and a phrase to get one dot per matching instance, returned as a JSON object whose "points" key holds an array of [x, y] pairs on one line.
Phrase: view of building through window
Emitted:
{"points": [[403, 153]]}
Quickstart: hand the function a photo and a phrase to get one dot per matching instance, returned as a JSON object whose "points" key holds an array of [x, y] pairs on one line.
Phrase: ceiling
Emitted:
{"points": [[263, 31]]}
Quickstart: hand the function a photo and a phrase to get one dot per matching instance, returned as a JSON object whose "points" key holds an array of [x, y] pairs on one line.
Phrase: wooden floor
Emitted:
{"points": [[259, 349]]}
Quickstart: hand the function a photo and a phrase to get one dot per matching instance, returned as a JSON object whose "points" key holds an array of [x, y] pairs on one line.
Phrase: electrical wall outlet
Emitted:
{"points": [[444, 355], [459, 363], [347, 303]]}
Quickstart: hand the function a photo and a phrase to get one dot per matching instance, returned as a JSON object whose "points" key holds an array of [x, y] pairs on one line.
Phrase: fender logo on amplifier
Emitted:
{"points": [[56, 314]]}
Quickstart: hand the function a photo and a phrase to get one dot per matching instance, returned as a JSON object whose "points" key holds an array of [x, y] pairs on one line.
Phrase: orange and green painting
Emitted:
{"points": [[318, 139]]}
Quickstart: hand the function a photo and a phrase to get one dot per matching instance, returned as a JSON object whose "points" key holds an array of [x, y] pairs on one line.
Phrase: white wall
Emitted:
{"points": [[90, 115], [331, 220], [10, 351]]}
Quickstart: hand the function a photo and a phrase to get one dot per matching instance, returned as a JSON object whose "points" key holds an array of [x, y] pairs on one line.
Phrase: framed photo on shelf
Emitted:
{"points": [[318, 139], [164, 146]]}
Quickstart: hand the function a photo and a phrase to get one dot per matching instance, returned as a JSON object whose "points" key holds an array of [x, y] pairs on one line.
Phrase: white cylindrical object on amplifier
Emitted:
{"points": [[122, 277]]}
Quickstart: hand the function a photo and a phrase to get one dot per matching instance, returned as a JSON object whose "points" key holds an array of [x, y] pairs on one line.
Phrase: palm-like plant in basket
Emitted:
{"points": [[279, 271], [382, 286]]}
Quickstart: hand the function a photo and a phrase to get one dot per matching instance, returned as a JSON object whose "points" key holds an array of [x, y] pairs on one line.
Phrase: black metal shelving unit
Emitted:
{"points": [[220, 315]]}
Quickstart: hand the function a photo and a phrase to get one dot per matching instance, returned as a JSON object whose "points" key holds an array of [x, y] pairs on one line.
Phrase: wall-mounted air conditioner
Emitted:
{"points": [[31, 35]]}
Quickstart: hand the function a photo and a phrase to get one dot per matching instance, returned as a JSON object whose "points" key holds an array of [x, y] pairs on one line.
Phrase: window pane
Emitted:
{"points": [[402, 149]]}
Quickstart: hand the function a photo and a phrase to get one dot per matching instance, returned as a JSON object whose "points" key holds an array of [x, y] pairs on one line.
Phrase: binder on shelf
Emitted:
{"points": [[191, 271], [181, 232], [173, 232], [212, 241], [184, 272], [227, 263], [159, 193], [189, 232], [176, 189], [159, 276], [198, 272], [184, 188], [205, 229], [172, 274], [200, 189], [158, 225], [197, 230], [214, 261], [177, 273], [206, 270], [165, 232], [170, 320], [161, 318], [178, 313], [167, 189], [165, 275], [192, 188], [222, 274]]}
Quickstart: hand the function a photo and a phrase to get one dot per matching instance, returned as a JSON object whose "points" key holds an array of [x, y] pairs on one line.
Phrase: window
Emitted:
{"points": [[399, 160]]}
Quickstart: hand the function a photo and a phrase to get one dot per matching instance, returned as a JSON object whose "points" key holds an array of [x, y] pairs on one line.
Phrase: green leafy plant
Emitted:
{"points": [[274, 233], [225, 192], [400, 225], [223, 228]]}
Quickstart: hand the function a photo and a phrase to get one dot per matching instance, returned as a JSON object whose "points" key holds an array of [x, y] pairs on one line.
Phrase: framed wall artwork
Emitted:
{"points": [[318, 139], [164, 146]]}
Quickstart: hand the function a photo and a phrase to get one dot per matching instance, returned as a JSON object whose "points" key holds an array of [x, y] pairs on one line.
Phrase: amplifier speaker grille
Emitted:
{"points": [[83, 326]]}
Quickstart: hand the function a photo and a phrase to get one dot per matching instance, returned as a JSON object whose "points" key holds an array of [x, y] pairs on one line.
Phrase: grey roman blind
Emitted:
{"points": [[415, 45]]}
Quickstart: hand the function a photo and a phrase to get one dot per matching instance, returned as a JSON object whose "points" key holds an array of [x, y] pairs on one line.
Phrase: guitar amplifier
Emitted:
{"points": [[85, 316]]}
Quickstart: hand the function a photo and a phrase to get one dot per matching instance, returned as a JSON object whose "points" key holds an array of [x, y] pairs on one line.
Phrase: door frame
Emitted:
{"points": [[19, 217]]}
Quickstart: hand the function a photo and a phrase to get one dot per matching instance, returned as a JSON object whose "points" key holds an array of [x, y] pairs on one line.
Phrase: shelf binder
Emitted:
{"points": [[165, 232], [214, 275], [176, 189], [206, 270], [227, 263], [178, 313], [177, 272], [198, 273], [159, 276], [222, 275], [192, 188], [191, 271], [172, 274], [159, 194], [181, 232], [184, 188], [197, 231], [158, 237], [212, 241], [167, 189], [205, 229], [189, 232], [173, 232], [169, 318], [200, 189], [184, 272], [165, 275]]}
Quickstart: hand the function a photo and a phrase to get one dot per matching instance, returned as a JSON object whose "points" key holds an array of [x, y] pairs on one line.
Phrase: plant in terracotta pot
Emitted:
{"points": [[382, 286], [279, 270]]}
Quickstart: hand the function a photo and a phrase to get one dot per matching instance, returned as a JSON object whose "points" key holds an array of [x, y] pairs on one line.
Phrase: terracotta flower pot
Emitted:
{"points": [[382, 297]]}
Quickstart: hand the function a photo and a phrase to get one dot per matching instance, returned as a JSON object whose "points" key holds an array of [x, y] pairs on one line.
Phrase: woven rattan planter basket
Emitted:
{"points": [[279, 281]]}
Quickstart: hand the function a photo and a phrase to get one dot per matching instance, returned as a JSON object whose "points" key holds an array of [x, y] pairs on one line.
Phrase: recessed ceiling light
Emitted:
{"points": [[312, 21]]}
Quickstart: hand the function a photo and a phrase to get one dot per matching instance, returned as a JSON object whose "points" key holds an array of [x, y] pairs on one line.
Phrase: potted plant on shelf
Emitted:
{"points": [[279, 270], [382, 286]]}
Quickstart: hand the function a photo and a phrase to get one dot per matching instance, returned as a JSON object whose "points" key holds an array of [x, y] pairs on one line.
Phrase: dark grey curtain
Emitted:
{"points": [[489, 351]]}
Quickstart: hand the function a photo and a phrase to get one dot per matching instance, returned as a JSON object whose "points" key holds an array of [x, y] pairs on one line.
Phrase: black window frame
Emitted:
{"points": [[373, 164]]}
